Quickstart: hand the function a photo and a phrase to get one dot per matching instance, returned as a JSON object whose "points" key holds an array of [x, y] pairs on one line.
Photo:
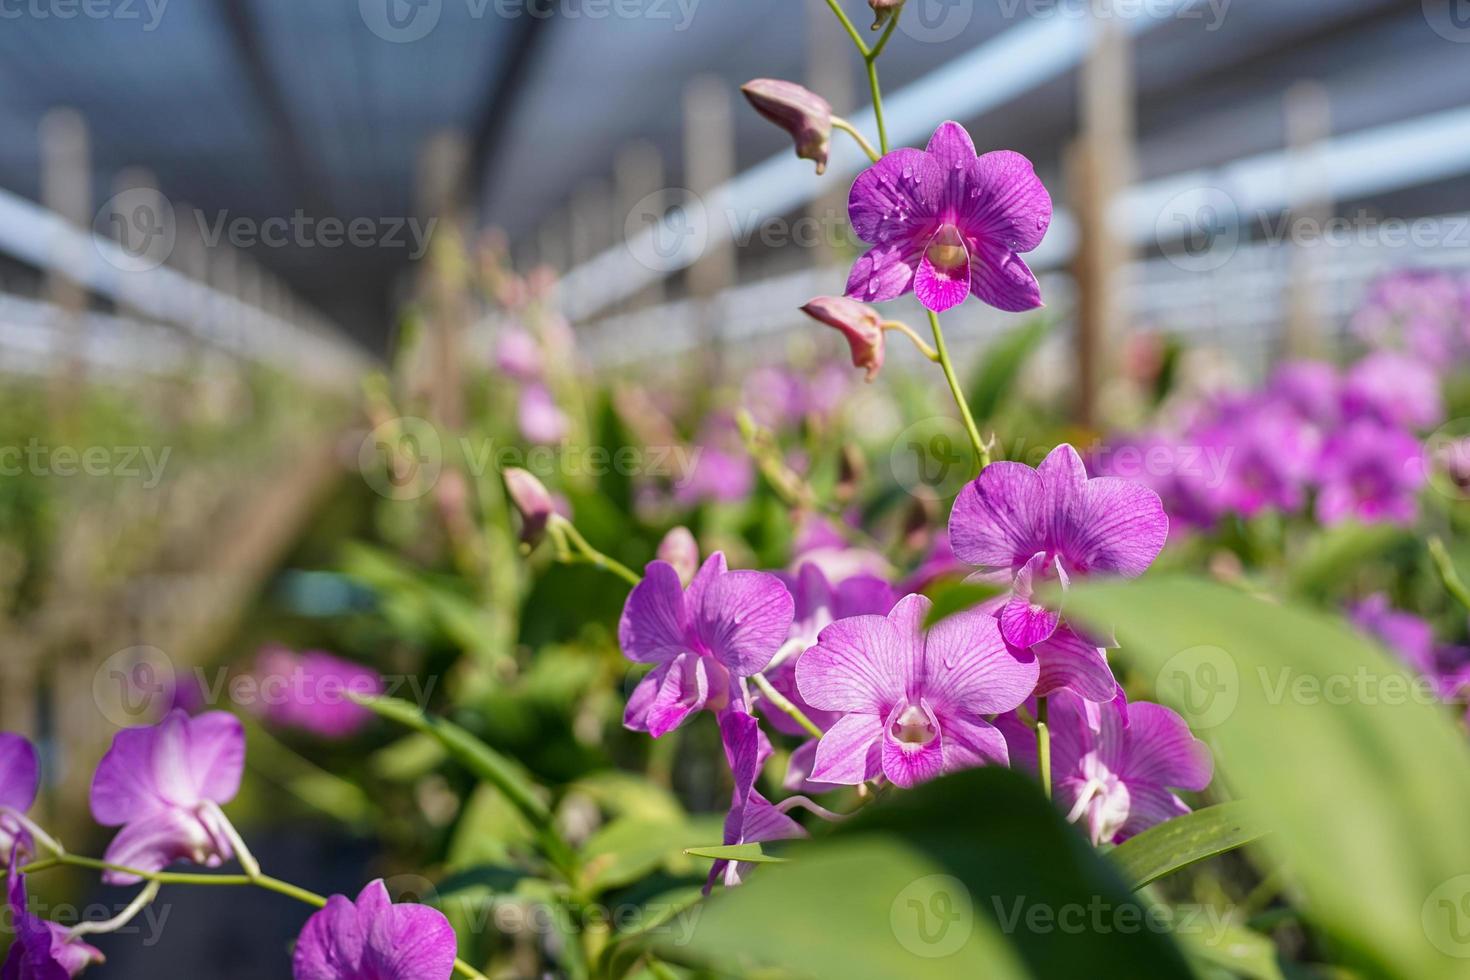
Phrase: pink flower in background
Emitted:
{"points": [[1411, 639], [703, 639], [1370, 473], [374, 939], [1311, 389], [680, 550], [719, 469], [752, 818], [41, 950], [912, 701], [946, 223], [517, 355], [1423, 312], [1114, 764], [1394, 389], [164, 785], [311, 691], [20, 781], [1028, 525], [539, 418], [1270, 457]]}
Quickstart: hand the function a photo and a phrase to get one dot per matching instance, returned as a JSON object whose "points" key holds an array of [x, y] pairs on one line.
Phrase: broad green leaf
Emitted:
{"points": [[957, 597], [1180, 842], [1228, 946], [1363, 782], [972, 875], [629, 848], [1001, 366], [1334, 553], [735, 852]]}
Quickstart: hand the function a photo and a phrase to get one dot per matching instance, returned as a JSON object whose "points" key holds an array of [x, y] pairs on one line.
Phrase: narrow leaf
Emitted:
{"points": [[735, 852], [1180, 842]]}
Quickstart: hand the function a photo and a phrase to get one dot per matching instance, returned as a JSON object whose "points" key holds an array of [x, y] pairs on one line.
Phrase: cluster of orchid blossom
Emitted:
{"points": [[164, 787], [1339, 444], [534, 350]]}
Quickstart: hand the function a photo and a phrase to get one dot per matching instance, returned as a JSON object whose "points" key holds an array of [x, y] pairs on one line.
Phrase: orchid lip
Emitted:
{"points": [[946, 250], [914, 726]]}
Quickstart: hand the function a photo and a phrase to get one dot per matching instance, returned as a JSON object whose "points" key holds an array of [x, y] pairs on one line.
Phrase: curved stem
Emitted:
{"points": [[887, 33], [1043, 746], [595, 557], [908, 332], [847, 24], [862, 141], [982, 454], [138, 904], [784, 703]]}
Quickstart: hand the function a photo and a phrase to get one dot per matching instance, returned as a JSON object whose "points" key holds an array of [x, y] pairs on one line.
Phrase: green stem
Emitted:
{"points": [[181, 878], [887, 33], [1043, 746], [847, 24], [1443, 564], [877, 103], [908, 332], [784, 703], [862, 141], [595, 557], [982, 454]]}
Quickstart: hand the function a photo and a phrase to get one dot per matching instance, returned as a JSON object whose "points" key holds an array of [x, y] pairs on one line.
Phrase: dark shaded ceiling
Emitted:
{"points": [[268, 108]]}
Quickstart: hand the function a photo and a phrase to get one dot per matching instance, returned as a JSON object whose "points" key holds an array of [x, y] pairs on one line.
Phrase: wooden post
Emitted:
{"points": [[441, 186], [709, 161], [1100, 168], [1308, 126], [66, 190], [639, 177]]}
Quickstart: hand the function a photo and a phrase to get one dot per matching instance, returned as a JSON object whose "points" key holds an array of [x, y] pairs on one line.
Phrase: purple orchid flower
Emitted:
{"points": [[913, 701], [1311, 389], [20, 781], [539, 418], [373, 939], [1066, 660], [310, 691], [1395, 389], [947, 223], [1411, 639], [1053, 522], [1372, 473], [705, 639], [518, 356], [41, 950], [752, 818], [164, 785], [1113, 765]]}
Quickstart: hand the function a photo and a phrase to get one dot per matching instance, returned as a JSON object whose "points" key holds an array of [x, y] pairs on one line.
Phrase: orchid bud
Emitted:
{"points": [[884, 9], [802, 113], [532, 500], [859, 323], [679, 549]]}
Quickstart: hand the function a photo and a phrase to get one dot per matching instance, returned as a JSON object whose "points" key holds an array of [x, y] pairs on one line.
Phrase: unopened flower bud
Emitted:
{"points": [[859, 323], [884, 9], [531, 500], [802, 113], [679, 549]]}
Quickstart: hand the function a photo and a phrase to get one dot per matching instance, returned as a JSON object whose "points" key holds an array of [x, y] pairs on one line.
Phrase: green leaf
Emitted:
{"points": [[735, 852], [972, 875], [1001, 366], [1331, 556], [957, 597], [473, 754], [1235, 948], [1363, 785], [1180, 842]]}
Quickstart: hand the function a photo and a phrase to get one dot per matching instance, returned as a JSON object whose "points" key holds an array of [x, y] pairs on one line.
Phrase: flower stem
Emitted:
{"points": [[856, 134], [159, 878], [847, 24], [1043, 747], [1450, 578], [138, 904], [887, 33], [908, 332], [595, 557], [877, 102], [982, 455], [784, 703]]}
